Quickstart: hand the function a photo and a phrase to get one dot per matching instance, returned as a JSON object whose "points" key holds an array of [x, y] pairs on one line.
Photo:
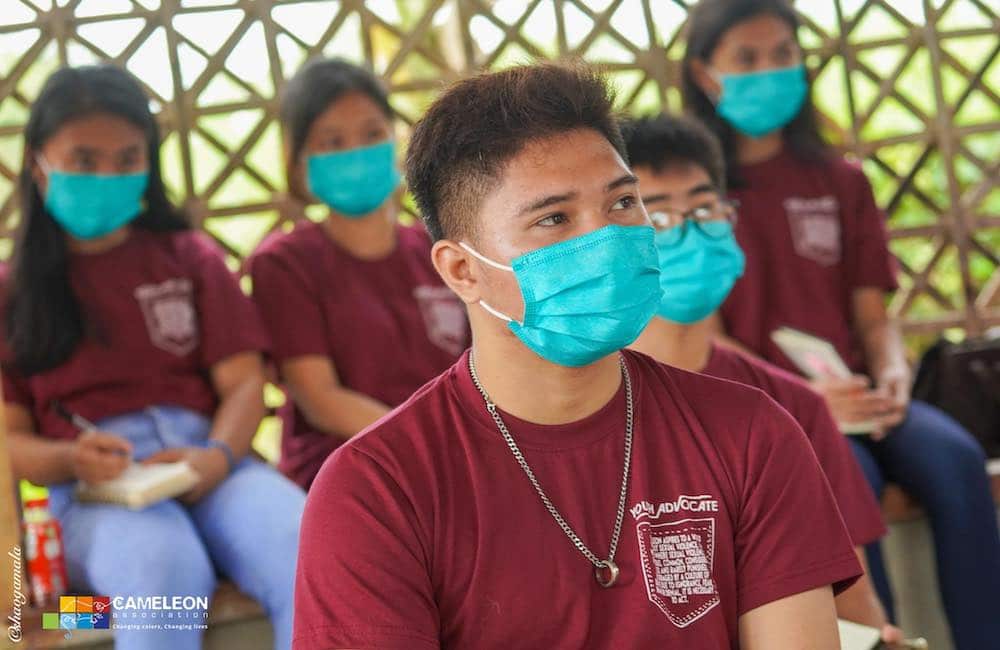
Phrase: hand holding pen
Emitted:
{"points": [[96, 456]]}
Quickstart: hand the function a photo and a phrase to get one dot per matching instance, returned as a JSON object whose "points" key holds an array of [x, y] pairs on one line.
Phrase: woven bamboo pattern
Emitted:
{"points": [[911, 87]]}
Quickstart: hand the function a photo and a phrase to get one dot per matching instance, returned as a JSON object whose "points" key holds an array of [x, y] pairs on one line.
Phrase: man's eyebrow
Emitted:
{"points": [[553, 199], [626, 179], [545, 202], [655, 198], [699, 189]]}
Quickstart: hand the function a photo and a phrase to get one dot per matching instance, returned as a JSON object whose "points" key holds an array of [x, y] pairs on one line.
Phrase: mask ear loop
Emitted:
{"points": [[44, 164], [496, 265], [717, 78], [483, 258]]}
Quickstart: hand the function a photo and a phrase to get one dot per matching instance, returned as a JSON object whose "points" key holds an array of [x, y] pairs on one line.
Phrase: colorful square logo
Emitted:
{"points": [[79, 613]]}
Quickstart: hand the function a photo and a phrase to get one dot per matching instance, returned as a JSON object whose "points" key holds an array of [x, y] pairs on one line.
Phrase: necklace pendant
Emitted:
{"points": [[607, 573]]}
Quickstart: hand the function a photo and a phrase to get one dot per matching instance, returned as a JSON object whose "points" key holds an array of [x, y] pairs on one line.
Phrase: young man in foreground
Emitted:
{"points": [[549, 491], [681, 174]]}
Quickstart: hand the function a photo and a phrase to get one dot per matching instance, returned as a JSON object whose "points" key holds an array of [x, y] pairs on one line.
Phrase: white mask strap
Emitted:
{"points": [[501, 316], [485, 259], [502, 267], [44, 164]]}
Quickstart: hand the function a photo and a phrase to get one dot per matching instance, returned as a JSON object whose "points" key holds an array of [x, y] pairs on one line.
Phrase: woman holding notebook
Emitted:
{"points": [[817, 260], [115, 313]]}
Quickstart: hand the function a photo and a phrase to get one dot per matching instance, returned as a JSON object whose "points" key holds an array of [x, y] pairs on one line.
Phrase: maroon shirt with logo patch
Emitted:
{"points": [[424, 532], [812, 234], [388, 325], [160, 309], [855, 499]]}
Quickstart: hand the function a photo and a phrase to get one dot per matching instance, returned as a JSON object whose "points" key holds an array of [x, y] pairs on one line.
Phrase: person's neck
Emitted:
{"points": [[538, 391], [98, 244], [754, 150], [370, 238], [688, 347]]}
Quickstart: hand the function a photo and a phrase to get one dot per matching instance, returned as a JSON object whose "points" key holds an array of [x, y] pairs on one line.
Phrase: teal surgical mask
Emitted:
{"points": [[585, 297], [758, 103], [354, 182], [699, 264], [88, 206]]}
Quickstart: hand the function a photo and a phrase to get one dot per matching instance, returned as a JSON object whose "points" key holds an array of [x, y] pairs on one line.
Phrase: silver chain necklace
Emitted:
{"points": [[600, 566]]}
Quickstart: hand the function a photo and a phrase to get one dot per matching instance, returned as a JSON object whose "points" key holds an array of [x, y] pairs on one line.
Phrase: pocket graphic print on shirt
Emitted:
{"points": [[677, 557], [444, 317], [171, 320], [815, 226]]}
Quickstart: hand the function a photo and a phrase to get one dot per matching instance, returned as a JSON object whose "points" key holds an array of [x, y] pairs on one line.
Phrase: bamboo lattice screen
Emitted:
{"points": [[912, 87]]}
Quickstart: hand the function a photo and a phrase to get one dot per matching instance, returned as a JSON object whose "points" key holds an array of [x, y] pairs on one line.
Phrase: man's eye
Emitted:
{"points": [[553, 220], [624, 203]]}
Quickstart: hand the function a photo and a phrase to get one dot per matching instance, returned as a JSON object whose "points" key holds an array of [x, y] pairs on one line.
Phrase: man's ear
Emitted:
{"points": [[452, 263], [704, 79]]}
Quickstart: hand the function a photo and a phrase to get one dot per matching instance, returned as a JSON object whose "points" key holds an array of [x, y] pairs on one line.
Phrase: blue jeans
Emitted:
{"points": [[941, 465], [246, 529]]}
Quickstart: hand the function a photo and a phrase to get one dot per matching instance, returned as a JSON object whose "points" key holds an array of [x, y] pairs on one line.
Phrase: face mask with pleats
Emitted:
{"points": [[758, 103], [88, 206], [698, 267], [354, 182], [584, 297]]}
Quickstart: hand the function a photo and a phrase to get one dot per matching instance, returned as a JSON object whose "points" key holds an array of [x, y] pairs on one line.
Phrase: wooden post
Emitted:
{"points": [[12, 567]]}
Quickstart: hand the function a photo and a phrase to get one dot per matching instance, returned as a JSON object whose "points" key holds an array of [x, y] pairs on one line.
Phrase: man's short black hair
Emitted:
{"points": [[660, 141], [460, 146]]}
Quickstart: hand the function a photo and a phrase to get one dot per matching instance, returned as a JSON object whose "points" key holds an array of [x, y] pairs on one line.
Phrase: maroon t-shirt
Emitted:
{"points": [[388, 325], [424, 532], [854, 497], [812, 235], [160, 310]]}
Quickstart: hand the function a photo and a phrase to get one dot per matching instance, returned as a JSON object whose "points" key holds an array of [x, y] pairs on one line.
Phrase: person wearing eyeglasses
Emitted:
{"points": [[818, 260], [682, 180]]}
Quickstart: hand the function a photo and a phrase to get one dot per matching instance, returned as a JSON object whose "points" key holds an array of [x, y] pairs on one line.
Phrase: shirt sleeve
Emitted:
{"points": [[860, 510], [15, 387], [872, 264], [362, 579], [790, 536], [291, 313], [228, 321]]}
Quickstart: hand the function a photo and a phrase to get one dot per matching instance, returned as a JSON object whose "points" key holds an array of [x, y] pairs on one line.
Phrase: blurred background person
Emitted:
{"points": [[818, 261], [357, 316], [682, 179], [116, 312]]}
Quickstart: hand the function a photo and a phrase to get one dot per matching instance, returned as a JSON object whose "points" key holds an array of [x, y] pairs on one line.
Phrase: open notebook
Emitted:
{"points": [[817, 359], [141, 485], [858, 637]]}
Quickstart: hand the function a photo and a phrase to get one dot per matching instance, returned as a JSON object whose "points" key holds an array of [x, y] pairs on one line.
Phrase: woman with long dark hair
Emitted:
{"points": [[358, 317], [116, 313], [818, 261]]}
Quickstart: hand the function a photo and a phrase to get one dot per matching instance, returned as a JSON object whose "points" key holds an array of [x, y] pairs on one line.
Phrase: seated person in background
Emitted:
{"points": [[681, 176], [358, 318], [115, 310], [818, 261], [552, 490]]}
